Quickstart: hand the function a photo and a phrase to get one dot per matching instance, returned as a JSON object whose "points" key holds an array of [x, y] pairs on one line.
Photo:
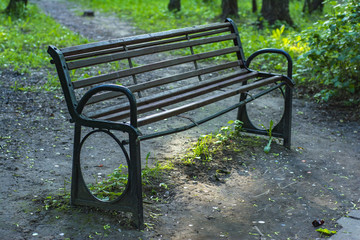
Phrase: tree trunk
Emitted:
{"points": [[229, 8], [16, 6], [313, 5], [273, 10], [254, 6], [174, 5]]}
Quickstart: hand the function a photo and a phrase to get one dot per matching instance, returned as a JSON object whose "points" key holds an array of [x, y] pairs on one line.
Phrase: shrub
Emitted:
{"points": [[333, 60]]}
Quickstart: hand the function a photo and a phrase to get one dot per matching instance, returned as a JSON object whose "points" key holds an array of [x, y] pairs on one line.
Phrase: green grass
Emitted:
{"points": [[24, 39], [115, 183], [153, 16]]}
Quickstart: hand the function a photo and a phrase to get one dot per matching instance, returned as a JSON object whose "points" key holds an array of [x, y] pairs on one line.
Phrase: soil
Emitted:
{"points": [[255, 196]]}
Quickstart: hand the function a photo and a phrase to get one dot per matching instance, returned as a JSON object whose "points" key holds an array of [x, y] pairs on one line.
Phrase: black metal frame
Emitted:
{"points": [[131, 198], [283, 128]]}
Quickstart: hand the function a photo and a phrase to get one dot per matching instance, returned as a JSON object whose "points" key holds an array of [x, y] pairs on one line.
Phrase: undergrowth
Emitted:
{"points": [[115, 183], [324, 46], [228, 138], [24, 41], [214, 156]]}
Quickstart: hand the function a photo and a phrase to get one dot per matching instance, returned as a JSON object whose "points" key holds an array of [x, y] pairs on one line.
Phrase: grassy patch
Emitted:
{"points": [[24, 40], [152, 16], [153, 180], [214, 155]]}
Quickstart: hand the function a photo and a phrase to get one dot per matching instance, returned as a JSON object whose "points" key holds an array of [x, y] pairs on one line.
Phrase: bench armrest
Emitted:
{"points": [[276, 51], [114, 88]]}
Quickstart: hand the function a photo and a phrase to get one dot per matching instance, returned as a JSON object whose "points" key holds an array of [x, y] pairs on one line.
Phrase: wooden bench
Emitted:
{"points": [[152, 77]]}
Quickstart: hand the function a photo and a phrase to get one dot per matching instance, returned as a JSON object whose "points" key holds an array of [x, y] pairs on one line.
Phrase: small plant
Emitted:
{"points": [[201, 149], [207, 145], [150, 175], [111, 187], [267, 148], [237, 127]]}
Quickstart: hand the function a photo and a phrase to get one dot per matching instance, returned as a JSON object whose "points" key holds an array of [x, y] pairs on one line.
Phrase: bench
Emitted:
{"points": [[128, 83]]}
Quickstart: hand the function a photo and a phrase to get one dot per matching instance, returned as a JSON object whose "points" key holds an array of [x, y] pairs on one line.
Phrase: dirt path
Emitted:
{"points": [[265, 196]]}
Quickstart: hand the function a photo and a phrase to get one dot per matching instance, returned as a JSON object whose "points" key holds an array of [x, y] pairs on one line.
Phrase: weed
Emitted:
{"points": [[209, 144], [114, 185], [267, 148], [111, 187], [59, 201]]}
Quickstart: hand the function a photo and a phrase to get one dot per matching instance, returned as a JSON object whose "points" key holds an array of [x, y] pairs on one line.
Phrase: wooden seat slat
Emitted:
{"points": [[178, 91], [194, 105], [145, 68], [163, 81], [179, 96]]}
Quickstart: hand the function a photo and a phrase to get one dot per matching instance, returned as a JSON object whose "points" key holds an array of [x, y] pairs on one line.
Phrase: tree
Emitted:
{"points": [[313, 5], [273, 10], [16, 7], [254, 6], [229, 8], [174, 5]]}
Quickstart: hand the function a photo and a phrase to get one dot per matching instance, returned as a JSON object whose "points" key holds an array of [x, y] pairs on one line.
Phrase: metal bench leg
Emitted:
{"points": [[244, 117], [130, 200], [287, 116], [76, 164], [282, 129], [135, 180]]}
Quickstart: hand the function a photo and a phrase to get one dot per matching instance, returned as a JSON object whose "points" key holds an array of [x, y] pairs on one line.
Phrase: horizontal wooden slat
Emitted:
{"points": [[166, 80], [239, 76], [178, 39], [139, 39], [145, 44], [206, 101], [150, 67], [181, 96], [94, 53], [146, 51]]}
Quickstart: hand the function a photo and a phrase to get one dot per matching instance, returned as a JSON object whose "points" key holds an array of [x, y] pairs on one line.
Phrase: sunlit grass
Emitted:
{"points": [[24, 40]]}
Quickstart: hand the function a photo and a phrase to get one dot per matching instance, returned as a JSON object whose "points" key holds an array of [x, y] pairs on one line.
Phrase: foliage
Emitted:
{"points": [[207, 145], [16, 8], [331, 43], [114, 185], [111, 187], [333, 60], [24, 40]]}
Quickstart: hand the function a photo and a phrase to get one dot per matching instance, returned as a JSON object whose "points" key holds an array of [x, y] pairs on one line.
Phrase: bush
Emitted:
{"points": [[333, 60]]}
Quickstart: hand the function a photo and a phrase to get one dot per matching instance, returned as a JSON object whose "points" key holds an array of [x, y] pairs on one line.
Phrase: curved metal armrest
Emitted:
{"points": [[277, 51], [114, 88]]}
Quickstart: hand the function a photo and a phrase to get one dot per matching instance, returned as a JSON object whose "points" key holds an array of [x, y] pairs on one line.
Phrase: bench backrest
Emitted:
{"points": [[117, 61]]}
